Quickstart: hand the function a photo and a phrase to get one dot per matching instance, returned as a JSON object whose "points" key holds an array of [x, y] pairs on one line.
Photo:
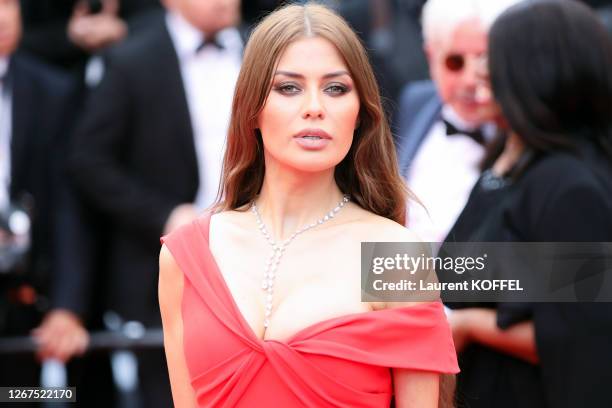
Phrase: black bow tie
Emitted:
{"points": [[211, 41], [475, 134]]}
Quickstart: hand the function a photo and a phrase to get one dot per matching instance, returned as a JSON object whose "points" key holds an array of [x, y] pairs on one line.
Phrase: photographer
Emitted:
{"points": [[35, 104]]}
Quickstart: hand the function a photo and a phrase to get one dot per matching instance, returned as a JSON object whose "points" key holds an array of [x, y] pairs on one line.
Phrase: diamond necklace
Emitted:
{"points": [[279, 248]]}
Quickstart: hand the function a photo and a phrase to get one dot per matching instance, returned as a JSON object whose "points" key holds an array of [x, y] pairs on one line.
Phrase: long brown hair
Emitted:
{"points": [[369, 172]]}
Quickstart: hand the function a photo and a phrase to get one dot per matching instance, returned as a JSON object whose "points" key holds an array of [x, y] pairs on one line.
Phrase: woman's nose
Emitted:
{"points": [[313, 107]]}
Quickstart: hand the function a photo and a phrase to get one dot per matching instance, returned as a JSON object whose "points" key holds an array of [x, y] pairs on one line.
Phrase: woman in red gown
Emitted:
{"points": [[261, 297]]}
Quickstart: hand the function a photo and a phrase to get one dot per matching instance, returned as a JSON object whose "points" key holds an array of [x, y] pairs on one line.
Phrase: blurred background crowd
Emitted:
{"points": [[113, 115]]}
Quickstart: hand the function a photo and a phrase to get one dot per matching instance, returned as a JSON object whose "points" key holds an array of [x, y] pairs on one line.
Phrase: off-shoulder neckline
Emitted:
{"points": [[203, 224]]}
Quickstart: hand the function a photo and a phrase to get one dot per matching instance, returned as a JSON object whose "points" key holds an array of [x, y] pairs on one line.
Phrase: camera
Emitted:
{"points": [[15, 238]]}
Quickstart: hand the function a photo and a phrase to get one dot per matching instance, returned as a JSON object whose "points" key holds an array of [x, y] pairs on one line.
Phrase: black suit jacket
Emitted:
{"points": [[419, 109], [42, 103], [134, 157]]}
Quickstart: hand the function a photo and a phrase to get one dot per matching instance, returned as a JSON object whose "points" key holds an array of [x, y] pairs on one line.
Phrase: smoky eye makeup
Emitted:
{"points": [[337, 88], [291, 86], [287, 87]]}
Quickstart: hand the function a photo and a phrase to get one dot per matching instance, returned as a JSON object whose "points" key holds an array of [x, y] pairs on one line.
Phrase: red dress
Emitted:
{"points": [[338, 362]]}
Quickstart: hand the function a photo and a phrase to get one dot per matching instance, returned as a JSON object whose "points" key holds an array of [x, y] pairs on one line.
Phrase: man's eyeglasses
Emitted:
{"points": [[456, 62]]}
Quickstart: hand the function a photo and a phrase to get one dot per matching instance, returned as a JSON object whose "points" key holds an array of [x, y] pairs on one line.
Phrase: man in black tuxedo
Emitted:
{"points": [[444, 124], [148, 151], [48, 285]]}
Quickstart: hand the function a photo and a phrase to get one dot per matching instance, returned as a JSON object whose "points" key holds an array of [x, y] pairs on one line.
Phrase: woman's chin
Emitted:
{"points": [[312, 166]]}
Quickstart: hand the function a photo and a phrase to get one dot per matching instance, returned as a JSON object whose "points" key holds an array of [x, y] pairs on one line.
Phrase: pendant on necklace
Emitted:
{"points": [[278, 249]]}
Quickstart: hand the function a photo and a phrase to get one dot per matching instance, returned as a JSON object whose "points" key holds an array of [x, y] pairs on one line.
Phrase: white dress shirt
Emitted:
{"points": [[5, 137], [209, 78], [442, 176]]}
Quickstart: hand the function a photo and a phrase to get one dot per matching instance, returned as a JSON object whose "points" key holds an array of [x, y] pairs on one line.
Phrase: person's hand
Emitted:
{"points": [[61, 336], [461, 325], [182, 214], [95, 31]]}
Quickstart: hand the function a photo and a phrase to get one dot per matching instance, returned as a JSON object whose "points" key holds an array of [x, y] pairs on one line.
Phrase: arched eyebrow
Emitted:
{"points": [[300, 76]]}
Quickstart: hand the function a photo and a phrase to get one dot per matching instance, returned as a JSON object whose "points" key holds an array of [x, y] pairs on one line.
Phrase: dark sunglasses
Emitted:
{"points": [[454, 62]]}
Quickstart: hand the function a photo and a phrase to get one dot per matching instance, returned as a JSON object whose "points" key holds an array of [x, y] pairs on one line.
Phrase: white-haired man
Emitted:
{"points": [[444, 124]]}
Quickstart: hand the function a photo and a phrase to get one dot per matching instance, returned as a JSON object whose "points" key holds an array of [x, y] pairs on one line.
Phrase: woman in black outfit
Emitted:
{"points": [[550, 67]]}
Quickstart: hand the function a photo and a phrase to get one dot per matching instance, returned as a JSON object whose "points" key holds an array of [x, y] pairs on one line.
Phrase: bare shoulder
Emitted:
{"points": [[169, 271], [375, 228], [370, 227], [232, 226], [166, 260], [240, 217]]}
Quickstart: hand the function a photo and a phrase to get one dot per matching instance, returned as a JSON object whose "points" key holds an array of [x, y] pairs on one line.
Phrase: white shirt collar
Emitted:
{"points": [[187, 38], [4, 62]]}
